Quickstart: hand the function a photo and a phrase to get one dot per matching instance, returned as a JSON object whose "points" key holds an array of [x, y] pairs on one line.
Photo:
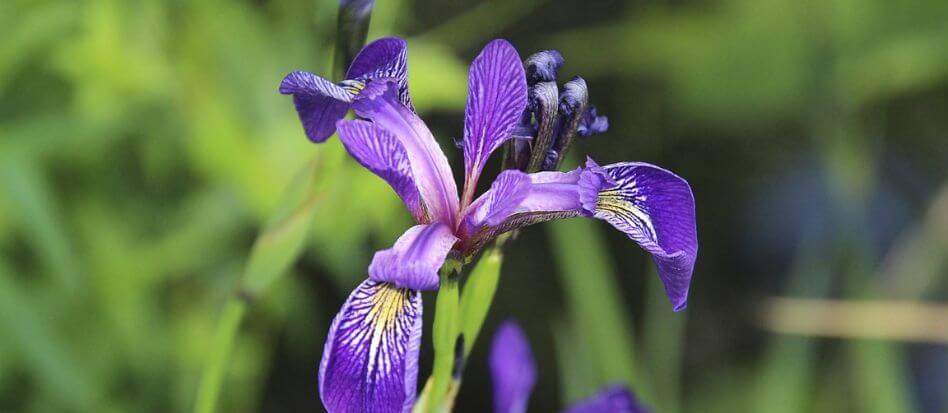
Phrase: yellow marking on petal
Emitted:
{"points": [[353, 86], [614, 201], [388, 305]]}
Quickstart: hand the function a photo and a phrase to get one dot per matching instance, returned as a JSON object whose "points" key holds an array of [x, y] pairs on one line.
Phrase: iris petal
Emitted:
{"points": [[613, 399], [651, 205], [656, 209], [380, 152], [430, 168], [385, 58], [413, 262], [505, 195], [319, 103], [370, 360], [512, 369], [497, 96]]}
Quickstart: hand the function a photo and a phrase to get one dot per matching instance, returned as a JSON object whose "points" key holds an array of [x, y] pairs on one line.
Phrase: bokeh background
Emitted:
{"points": [[143, 147]]}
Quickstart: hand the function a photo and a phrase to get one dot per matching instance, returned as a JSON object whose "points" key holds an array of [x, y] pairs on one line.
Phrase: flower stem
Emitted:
{"points": [[446, 333], [223, 343]]}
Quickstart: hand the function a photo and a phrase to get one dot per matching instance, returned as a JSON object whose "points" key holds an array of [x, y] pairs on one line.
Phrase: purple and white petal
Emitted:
{"points": [[545, 196], [512, 369], [380, 152], [430, 168], [319, 103], [553, 192], [497, 96], [370, 360], [505, 195], [612, 399], [413, 262], [385, 58], [656, 209]]}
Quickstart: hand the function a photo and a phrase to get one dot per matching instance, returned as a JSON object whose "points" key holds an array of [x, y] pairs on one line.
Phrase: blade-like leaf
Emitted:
{"points": [[478, 295]]}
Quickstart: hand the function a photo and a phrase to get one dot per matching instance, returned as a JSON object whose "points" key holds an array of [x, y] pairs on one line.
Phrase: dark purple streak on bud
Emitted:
{"points": [[573, 105], [544, 98], [352, 27]]}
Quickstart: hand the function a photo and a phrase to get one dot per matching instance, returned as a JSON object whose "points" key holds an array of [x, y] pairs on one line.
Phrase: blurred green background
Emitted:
{"points": [[143, 147]]}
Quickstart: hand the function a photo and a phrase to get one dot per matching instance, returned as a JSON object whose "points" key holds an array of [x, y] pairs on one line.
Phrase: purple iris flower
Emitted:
{"points": [[370, 358], [320, 102], [514, 373]]}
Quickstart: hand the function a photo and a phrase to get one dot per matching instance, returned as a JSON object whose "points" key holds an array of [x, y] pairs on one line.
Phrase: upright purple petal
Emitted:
{"points": [[319, 103], [385, 58], [656, 209], [512, 369], [497, 96], [380, 152], [430, 168], [370, 360], [612, 399], [413, 262], [503, 198]]}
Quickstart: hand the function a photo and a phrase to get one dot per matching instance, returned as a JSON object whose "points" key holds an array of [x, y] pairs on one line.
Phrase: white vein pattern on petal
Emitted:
{"points": [[623, 206], [375, 331]]}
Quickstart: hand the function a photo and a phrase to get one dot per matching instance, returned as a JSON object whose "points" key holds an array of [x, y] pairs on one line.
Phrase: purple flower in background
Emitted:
{"points": [[512, 368], [514, 373], [370, 357]]}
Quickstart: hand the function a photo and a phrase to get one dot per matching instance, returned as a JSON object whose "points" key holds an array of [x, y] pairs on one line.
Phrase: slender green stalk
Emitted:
{"points": [[223, 344], [446, 333], [277, 247], [478, 294], [593, 298]]}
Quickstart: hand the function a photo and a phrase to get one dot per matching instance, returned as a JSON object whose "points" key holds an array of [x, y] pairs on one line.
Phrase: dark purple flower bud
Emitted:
{"points": [[592, 123], [351, 29], [543, 66], [543, 98], [573, 103], [552, 158]]}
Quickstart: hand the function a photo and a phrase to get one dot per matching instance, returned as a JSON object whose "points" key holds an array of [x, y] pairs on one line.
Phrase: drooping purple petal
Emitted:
{"points": [[413, 262], [651, 205], [430, 168], [497, 96], [503, 198], [656, 209], [380, 152], [512, 369], [612, 399], [370, 360], [319, 103], [385, 58]]}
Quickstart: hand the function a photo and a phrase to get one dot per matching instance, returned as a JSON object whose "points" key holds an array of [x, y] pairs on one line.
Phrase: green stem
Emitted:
{"points": [[223, 343], [445, 332]]}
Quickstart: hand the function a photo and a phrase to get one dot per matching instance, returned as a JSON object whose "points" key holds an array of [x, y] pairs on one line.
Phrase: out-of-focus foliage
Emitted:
{"points": [[143, 146]]}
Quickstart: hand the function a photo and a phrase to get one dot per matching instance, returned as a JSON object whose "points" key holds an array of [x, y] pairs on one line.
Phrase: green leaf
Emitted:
{"points": [[478, 294], [593, 299], [573, 356], [50, 360], [32, 196], [284, 234], [663, 346], [445, 335], [277, 247]]}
